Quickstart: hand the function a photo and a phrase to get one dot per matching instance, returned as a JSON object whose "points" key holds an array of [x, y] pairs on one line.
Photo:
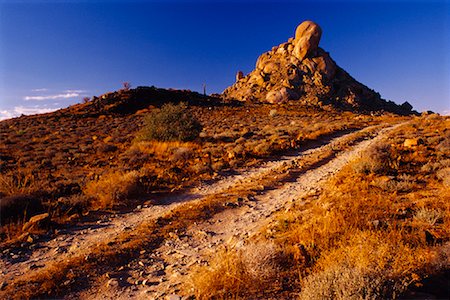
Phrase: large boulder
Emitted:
{"points": [[280, 96], [307, 38]]}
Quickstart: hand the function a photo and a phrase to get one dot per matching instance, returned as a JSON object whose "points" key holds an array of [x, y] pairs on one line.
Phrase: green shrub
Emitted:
{"points": [[171, 123]]}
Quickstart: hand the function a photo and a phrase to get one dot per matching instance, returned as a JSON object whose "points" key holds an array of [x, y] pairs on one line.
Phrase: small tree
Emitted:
{"points": [[126, 86], [171, 123]]}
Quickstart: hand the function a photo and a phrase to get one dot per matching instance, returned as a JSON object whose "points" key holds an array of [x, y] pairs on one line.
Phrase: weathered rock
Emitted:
{"points": [[408, 143], [278, 97], [37, 222], [300, 70], [307, 38], [239, 75]]}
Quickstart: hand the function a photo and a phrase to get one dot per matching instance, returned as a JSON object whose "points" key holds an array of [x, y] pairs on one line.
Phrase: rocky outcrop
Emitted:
{"points": [[300, 70]]}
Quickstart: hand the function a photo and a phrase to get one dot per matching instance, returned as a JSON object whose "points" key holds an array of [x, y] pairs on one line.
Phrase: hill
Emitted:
{"points": [[300, 70]]}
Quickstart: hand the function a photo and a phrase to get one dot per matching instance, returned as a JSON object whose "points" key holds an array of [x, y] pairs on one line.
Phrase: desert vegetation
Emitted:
{"points": [[376, 231], [90, 148]]}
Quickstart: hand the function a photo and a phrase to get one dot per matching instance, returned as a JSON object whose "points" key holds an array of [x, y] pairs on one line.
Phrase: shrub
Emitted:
{"points": [[377, 159], [18, 208], [428, 216], [171, 123], [236, 272], [368, 266], [113, 189]]}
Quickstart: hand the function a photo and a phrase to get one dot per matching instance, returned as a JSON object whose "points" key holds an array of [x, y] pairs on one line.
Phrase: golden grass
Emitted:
{"points": [[162, 150], [364, 241], [234, 272], [113, 189]]}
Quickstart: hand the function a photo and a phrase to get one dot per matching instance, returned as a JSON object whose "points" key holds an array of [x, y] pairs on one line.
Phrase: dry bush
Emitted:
{"points": [[377, 159], [113, 189], [238, 272], [403, 183], [368, 266], [171, 123], [428, 216], [18, 183]]}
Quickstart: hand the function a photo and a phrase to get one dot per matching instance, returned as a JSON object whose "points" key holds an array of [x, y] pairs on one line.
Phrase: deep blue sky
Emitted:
{"points": [[54, 53]]}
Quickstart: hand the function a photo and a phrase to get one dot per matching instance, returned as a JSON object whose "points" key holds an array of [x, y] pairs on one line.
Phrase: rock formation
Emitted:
{"points": [[300, 70]]}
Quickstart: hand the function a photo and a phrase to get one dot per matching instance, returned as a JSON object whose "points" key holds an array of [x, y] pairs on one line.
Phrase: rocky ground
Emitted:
{"points": [[162, 271]]}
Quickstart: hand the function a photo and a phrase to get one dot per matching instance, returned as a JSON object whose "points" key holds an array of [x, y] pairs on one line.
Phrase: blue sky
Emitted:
{"points": [[54, 53]]}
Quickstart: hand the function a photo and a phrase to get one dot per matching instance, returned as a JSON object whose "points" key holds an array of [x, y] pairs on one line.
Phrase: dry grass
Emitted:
{"points": [[370, 236], [47, 281], [113, 189], [20, 182], [234, 272], [370, 265]]}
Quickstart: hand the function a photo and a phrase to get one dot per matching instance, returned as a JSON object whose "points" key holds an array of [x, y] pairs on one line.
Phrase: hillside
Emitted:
{"points": [[255, 194]]}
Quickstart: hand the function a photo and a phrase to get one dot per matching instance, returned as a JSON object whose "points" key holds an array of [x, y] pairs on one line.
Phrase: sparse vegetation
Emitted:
{"points": [[113, 189], [234, 272], [171, 123], [376, 229]]}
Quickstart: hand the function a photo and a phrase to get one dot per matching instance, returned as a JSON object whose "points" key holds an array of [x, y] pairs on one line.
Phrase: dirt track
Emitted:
{"points": [[159, 272]]}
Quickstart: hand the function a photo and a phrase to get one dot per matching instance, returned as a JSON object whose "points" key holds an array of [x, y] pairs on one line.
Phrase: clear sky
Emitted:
{"points": [[54, 53]]}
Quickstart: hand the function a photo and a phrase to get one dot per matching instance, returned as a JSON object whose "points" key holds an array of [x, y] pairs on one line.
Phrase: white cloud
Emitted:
{"points": [[67, 95], [40, 90], [75, 91], [24, 110], [446, 112]]}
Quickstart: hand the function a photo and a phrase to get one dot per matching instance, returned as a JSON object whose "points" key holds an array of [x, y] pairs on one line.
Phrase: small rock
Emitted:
{"points": [[113, 282], [272, 113], [38, 221], [173, 297], [408, 143], [239, 75], [3, 284]]}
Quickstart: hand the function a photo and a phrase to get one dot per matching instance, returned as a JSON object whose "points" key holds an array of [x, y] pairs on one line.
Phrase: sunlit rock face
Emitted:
{"points": [[300, 70]]}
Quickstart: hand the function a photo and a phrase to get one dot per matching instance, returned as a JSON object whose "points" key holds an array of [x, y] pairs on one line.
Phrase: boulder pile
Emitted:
{"points": [[300, 70]]}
